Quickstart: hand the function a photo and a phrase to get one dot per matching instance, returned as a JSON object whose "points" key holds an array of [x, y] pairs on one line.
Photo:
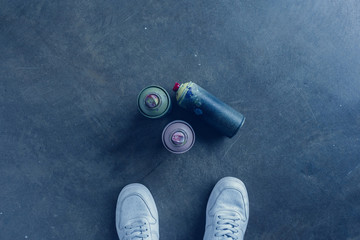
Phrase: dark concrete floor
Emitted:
{"points": [[71, 136]]}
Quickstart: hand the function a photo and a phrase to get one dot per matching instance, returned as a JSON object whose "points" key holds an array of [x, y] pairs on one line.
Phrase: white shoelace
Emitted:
{"points": [[137, 230], [226, 226]]}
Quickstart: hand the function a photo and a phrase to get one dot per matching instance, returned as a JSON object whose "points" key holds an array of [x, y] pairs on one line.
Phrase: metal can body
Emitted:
{"points": [[178, 137], [213, 111], [154, 102]]}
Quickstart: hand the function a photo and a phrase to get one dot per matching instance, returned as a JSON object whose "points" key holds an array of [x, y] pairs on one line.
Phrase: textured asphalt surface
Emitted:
{"points": [[71, 136]]}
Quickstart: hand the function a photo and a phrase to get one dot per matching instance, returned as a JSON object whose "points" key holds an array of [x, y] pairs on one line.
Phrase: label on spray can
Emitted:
{"points": [[178, 137]]}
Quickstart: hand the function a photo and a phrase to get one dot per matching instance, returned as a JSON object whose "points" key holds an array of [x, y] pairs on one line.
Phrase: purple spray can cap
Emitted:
{"points": [[178, 137]]}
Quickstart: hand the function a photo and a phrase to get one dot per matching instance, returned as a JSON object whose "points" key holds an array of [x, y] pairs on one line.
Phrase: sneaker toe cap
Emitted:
{"points": [[229, 194]]}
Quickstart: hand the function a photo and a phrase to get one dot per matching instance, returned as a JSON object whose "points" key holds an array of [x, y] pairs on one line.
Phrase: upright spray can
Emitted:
{"points": [[178, 137], [213, 111], [154, 102]]}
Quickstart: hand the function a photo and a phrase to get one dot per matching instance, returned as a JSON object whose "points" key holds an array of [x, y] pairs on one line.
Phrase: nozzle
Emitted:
{"points": [[176, 87]]}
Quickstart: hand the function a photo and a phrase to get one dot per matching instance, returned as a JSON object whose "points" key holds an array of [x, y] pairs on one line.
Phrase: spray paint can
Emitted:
{"points": [[154, 102], [213, 111], [178, 137]]}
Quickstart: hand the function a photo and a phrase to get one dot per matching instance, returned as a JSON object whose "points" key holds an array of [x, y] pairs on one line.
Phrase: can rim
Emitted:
{"points": [[238, 128], [167, 126], [167, 96]]}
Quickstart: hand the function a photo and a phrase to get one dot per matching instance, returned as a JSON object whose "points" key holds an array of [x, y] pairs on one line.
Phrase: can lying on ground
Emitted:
{"points": [[213, 111], [154, 102], [178, 137]]}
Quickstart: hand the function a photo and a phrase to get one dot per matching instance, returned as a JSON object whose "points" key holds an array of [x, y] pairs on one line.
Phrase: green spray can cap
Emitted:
{"points": [[154, 102]]}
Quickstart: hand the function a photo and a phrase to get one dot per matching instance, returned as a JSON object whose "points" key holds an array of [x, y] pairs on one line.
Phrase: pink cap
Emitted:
{"points": [[176, 87]]}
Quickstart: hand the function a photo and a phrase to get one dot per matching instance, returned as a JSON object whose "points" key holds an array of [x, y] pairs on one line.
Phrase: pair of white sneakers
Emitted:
{"points": [[227, 212]]}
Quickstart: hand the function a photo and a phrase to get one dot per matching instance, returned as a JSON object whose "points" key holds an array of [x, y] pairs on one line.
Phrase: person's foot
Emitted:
{"points": [[136, 214], [227, 211]]}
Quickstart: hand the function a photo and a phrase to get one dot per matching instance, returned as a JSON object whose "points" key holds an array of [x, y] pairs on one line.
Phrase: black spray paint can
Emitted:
{"points": [[213, 111], [178, 137]]}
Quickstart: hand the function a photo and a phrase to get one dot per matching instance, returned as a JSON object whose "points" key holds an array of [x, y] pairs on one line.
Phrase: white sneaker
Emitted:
{"points": [[136, 214], [227, 211]]}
